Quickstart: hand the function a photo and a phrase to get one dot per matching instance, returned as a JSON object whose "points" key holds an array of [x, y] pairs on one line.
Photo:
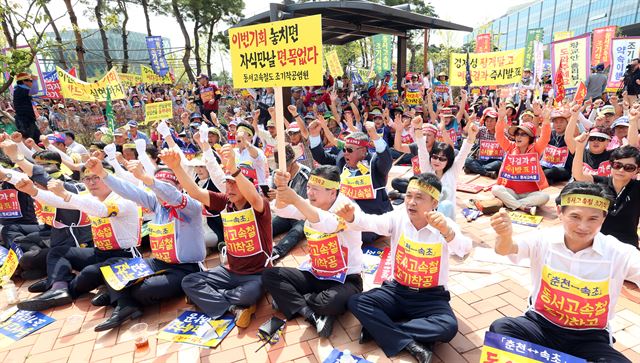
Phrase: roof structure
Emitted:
{"points": [[346, 21]]}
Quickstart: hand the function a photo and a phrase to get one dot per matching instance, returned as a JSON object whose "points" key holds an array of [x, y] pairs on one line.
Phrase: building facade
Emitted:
{"points": [[577, 16]]}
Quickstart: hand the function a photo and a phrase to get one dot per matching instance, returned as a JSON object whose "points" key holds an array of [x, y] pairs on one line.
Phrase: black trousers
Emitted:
{"points": [[294, 229], [556, 175], [62, 260], [592, 345], [293, 289], [395, 316], [153, 289], [31, 240]]}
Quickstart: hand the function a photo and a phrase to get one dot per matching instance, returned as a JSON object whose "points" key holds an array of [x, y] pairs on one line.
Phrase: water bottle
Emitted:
{"points": [[346, 357], [9, 289]]}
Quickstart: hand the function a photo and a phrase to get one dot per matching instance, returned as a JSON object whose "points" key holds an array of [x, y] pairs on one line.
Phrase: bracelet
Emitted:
{"points": [[296, 116], [236, 173], [450, 234]]}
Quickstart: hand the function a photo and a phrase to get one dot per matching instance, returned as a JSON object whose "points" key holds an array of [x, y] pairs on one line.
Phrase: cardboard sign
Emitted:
{"points": [[487, 69], [21, 324], [413, 98], [469, 188], [76, 89], [384, 270], [371, 259], [158, 111], [9, 204], [122, 274], [490, 149], [502, 349], [9, 261], [554, 156], [277, 54], [520, 167], [198, 329], [525, 219]]}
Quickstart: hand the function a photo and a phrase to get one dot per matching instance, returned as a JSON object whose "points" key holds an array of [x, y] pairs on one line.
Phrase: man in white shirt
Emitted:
{"points": [[577, 276], [248, 154], [72, 146], [416, 293], [319, 289]]}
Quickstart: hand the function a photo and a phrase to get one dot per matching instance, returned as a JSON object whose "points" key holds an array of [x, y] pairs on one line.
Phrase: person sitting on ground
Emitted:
{"points": [[318, 290], [556, 160], [592, 266], [486, 157], [596, 160]]}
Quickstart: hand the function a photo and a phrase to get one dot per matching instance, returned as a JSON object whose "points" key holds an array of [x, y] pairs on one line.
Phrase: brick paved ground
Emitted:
{"points": [[477, 298]]}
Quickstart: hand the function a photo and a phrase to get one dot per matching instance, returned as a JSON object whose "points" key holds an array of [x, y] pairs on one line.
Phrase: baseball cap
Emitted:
{"points": [[293, 127], [132, 123], [621, 121]]}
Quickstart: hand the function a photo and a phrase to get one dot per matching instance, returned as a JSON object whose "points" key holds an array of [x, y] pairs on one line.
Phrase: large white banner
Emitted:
{"points": [[623, 50]]}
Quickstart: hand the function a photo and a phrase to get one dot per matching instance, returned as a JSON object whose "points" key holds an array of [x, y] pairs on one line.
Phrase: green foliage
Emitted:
{"points": [[15, 61]]}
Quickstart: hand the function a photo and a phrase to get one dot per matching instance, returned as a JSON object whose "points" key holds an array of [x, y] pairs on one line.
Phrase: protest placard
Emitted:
{"points": [[502, 349], [413, 98], [483, 43], [150, 77], [623, 50], [130, 79], [333, 62], [384, 269], [487, 69], [76, 89], [601, 48], [158, 111], [575, 56], [198, 329], [533, 35], [21, 324], [525, 219], [9, 261], [122, 274], [382, 52]]}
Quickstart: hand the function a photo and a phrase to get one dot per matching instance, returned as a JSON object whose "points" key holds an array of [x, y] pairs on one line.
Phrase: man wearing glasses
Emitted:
{"points": [[25, 115]]}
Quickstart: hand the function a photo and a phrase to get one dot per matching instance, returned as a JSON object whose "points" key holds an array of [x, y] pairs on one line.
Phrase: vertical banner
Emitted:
{"points": [[483, 43], [52, 85], [575, 55], [538, 60], [156, 55], [623, 50], [600, 50], [382, 49], [333, 62], [558, 36], [278, 54], [486, 69], [533, 35]]}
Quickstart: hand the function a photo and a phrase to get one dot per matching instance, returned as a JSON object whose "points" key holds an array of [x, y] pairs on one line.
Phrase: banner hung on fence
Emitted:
{"points": [[76, 89], [487, 69], [575, 54], [278, 54]]}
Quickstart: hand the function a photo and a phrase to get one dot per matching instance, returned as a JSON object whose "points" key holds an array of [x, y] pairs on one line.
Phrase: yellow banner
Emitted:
{"points": [[149, 77], [575, 56], [158, 111], [525, 219], [562, 35], [276, 54], [129, 79], [333, 62], [413, 98], [487, 69], [73, 88]]}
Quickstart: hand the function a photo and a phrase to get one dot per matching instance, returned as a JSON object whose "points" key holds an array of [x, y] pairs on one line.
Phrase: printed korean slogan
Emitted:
{"points": [[21, 324], [75, 89], [558, 36], [502, 349], [156, 55], [277, 54], [129, 79], [382, 49], [150, 77], [333, 62], [9, 261], [533, 35], [575, 54], [483, 43], [52, 84], [623, 50], [198, 329], [158, 111], [121, 274], [487, 69], [600, 51]]}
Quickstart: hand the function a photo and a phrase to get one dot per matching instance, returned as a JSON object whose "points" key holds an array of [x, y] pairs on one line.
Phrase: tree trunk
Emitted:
{"points": [[187, 40], [425, 63], [209, 47], [103, 33], [125, 44], [145, 9], [196, 44], [82, 70], [412, 59], [61, 59]]}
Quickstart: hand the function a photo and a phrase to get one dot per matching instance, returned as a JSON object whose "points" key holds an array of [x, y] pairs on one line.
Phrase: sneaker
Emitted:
{"points": [[243, 315], [323, 324], [530, 210]]}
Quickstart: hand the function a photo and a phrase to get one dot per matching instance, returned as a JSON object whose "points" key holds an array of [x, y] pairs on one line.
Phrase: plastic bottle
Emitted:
{"points": [[10, 292], [346, 357]]}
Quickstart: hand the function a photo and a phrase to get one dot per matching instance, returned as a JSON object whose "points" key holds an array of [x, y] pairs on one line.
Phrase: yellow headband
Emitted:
{"points": [[585, 200], [324, 183], [129, 146], [426, 188], [46, 161], [246, 129]]}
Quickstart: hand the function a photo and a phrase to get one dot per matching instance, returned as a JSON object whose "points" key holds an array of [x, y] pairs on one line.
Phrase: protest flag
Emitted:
{"points": [[111, 122], [560, 91], [581, 93]]}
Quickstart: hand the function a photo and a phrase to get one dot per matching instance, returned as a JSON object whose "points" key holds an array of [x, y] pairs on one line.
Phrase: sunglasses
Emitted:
{"points": [[629, 168], [597, 138], [439, 158]]}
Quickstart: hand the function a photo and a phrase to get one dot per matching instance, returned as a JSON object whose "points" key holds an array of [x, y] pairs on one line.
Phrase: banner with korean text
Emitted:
{"points": [[158, 111], [75, 89], [502, 349], [487, 69], [382, 52], [533, 35], [156, 55], [333, 62], [575, 55], [130, 79], [277, 54], [623, 50], [21, 324], [600, 51], [150, 77], [52, 85], [483, 43]]}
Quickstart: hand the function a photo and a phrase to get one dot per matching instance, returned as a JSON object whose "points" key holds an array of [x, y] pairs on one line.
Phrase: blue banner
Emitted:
{"points": [[21, 324], [499, 348], [122, 274], [198, 329], [156, 55]]}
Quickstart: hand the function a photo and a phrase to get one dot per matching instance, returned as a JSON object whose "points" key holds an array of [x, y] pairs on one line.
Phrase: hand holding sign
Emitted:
{"points": [[501, 223]]}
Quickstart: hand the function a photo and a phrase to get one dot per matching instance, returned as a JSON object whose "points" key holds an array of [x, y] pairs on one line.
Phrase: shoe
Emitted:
{"points": [[101, 299], [492, 174], [421, 353], [323, 324], [394, 194], [39, 286], [365, 337], [243, 315], [33, 275], [118, 317], [46, 300], [530, 210]]}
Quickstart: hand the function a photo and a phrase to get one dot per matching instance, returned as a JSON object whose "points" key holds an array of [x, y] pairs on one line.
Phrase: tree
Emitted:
{"points": [[56, 33], [175, 8], [103, 34], [82, 70], [122, 9]]}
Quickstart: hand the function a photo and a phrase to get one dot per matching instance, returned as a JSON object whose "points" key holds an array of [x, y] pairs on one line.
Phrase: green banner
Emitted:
{"points": [[382, 51], [533, 35]]}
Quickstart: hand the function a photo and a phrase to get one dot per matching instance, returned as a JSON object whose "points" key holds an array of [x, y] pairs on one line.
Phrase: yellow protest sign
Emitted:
{"points": [[333, 62], [575, 56], [158, 111], [76, 89], [150, 77], [129, 79], [525, 219], [413, 98], [277, 54], [487, 69]]}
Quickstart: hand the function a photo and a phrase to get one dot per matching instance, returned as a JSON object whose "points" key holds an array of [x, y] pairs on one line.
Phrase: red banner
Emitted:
{"points": [[483, 43], [601, 44]]}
